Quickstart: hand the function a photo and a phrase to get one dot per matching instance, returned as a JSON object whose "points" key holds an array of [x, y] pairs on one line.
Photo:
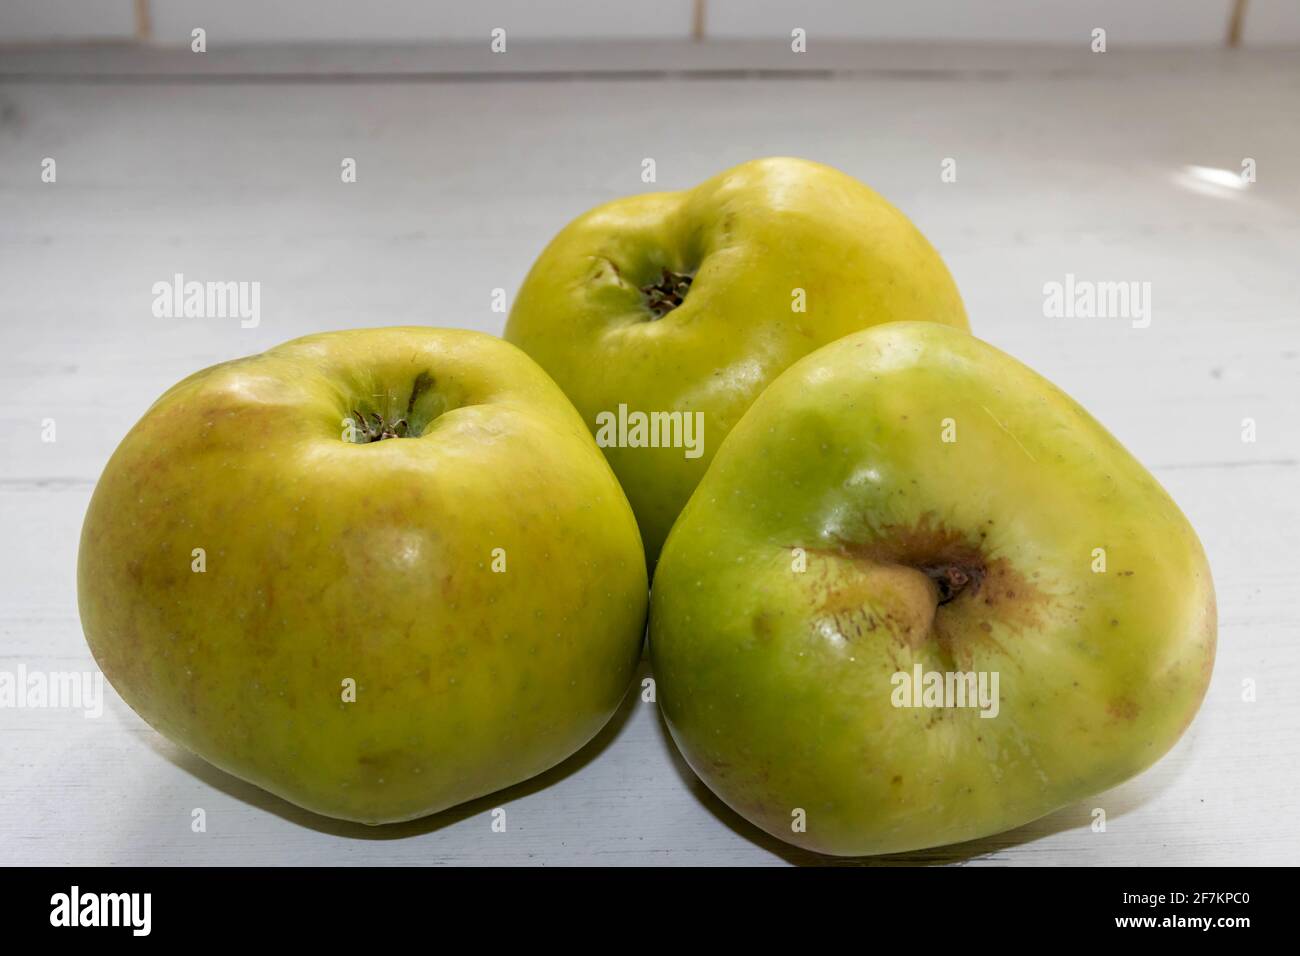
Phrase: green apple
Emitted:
{"points": [[378, 573], [688, 304], [909, 509]]}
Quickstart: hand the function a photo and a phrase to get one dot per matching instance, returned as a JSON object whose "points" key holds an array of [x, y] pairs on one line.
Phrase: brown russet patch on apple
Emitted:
{"points": [[1006, 597], [720, 768], [1123, 708]]}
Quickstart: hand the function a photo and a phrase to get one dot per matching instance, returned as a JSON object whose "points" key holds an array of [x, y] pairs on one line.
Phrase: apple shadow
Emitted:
{"points": [[1119, 801], [255, 796]]}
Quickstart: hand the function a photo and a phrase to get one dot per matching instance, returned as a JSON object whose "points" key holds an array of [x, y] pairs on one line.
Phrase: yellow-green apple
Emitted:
{"points": [[377, 572], [684, 305], [920, 597]]}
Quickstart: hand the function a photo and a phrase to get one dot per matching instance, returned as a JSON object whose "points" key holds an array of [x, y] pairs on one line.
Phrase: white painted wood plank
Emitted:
{"points": [[1272, 23], [418, 21], [1080, 171], [1061, 22], [30, 21]]}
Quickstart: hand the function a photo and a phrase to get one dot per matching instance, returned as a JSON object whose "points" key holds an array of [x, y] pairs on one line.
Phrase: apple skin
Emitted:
{"points": [[750, 236], [775, 683], [327, 560]]}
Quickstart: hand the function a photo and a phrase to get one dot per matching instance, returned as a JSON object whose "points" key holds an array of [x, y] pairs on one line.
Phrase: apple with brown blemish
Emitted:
{"points": [[377, 573], [910, 501]]}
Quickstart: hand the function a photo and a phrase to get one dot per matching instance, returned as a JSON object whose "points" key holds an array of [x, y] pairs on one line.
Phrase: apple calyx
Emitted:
{"points": [[378, 430], [668, 293], [376, 427]]}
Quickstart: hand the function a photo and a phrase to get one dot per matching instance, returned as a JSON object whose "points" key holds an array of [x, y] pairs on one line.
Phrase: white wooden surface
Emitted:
{"points": [[1070, 165], [1060, 22]]}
